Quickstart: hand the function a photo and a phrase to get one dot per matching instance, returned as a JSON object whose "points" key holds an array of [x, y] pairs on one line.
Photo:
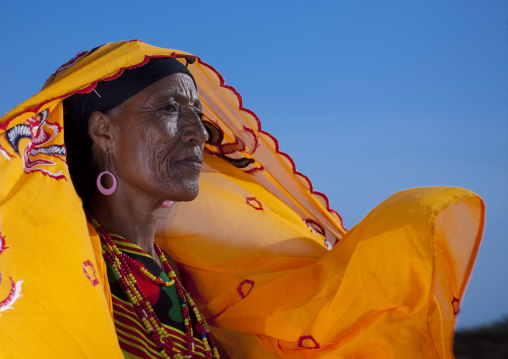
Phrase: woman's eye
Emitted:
{"points": [[170, 108]]}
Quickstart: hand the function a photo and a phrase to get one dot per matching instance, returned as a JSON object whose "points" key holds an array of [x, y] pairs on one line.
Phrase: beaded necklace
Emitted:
{"points": [[122, 265]]}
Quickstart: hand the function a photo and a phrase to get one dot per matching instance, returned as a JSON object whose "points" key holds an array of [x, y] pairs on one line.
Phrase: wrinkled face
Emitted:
{"points": [[160, 140]]}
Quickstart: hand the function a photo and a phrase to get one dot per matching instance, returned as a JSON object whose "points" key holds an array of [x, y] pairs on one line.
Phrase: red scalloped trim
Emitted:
{"points": [[222, 84], [277, 148], [71, 62], [87, 89]]}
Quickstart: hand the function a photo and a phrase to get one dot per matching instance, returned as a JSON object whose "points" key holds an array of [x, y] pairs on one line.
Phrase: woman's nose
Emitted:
{"points": [[194, 130]]}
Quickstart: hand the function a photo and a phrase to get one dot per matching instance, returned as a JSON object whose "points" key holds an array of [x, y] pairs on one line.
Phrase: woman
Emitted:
{"points": [[251, 247], [144, 128]]}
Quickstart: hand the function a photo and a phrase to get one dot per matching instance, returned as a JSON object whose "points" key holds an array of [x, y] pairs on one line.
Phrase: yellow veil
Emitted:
{"points": [[254, 248]]}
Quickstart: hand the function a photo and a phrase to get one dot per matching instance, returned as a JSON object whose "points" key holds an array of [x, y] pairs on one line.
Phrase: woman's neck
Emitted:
{"points": [[136, 223], [133, 221]]}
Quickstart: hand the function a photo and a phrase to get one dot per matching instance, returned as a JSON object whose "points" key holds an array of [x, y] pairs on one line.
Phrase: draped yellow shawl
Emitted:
{"points": [[252, 247]]}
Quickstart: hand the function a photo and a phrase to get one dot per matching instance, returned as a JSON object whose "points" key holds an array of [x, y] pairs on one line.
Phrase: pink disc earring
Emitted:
{"points": [[106, 191]]}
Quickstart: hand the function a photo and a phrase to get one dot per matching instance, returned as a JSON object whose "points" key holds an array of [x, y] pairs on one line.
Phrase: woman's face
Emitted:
{"points": [[159, 140]]}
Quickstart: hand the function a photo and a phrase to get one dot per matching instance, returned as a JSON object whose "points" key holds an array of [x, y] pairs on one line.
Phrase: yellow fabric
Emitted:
{"points": [[59, 310], [251, 247], [386, 290]]}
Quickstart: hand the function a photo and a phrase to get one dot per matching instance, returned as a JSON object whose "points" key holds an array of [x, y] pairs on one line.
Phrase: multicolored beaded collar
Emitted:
{"points": [[123, 267]]}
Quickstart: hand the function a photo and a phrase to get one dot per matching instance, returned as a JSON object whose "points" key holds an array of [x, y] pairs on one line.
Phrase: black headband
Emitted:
{"points": [[109, 94]]}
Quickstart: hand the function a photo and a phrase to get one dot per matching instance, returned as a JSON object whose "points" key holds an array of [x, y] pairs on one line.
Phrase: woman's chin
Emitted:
{"points": [[185, 195]]}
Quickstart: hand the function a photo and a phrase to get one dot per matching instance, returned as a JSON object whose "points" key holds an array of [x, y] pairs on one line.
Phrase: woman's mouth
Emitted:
{"points": [[192, 162]]}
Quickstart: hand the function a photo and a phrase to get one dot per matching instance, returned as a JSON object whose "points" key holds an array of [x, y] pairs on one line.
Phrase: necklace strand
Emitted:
{"points": [[122, 265]]}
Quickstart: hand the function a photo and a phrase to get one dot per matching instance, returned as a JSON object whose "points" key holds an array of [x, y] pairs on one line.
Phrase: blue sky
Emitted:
{"points": [[368, 97]]}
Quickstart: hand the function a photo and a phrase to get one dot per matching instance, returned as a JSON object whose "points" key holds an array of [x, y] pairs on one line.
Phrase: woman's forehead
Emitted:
{"points": [[179, 86]]}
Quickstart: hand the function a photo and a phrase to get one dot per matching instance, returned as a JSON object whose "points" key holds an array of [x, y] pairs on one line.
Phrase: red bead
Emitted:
{"points": [[158, 281]]}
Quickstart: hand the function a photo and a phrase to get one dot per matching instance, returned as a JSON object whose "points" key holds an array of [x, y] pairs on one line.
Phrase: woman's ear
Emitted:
{"points": [[101, 130]]}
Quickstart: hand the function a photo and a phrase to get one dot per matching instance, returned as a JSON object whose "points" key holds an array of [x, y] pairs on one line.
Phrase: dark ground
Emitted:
{"points": [[488, 342]]}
